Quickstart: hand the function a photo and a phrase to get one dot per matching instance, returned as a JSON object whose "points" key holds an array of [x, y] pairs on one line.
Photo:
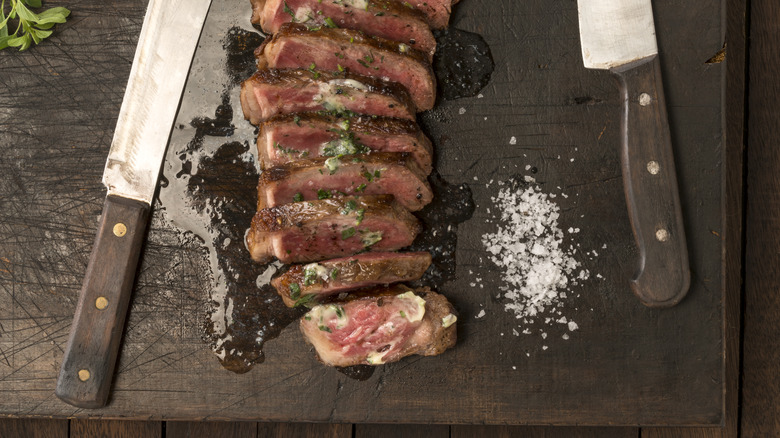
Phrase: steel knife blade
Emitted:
{"points": [[619, 36], [166, 46]]}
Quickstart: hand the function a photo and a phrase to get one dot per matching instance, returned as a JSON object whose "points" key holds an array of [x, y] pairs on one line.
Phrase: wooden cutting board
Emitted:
{"points": [[541, 115]]}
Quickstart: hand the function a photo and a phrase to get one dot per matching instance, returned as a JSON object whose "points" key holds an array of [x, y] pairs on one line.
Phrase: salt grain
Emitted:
{"points": [[513, 140], [528, 248]]}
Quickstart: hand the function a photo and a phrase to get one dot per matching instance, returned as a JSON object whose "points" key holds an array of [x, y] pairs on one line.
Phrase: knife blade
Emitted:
{"points": [[619, 36], [166, 46]]}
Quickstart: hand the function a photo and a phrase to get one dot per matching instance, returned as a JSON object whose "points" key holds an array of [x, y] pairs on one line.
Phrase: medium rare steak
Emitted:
{"points": [[383, 18], [291, 137], [326, 49], [377, 173], [437, 11], [317, 230], [383, 326], [313, 282], [270, 92]]}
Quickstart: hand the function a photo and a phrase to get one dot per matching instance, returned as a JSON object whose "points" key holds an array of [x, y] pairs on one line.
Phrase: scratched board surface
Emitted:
{"points": [[542, 115]]}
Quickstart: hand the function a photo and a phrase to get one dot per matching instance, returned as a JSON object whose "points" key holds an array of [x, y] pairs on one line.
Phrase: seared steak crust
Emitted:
{"points": [[314, 282], [375, 173], [270, 92], [291, 137], [316, 230], [326, 49], [383, 18]]}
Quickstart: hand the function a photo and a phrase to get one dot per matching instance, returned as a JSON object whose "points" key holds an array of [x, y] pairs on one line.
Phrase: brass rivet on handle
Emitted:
{"points": [[84, 375], [120, 229], [645, 99], [101, 303], [653, 167]]}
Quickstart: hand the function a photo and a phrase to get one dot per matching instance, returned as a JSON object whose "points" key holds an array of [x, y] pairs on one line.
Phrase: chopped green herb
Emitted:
{"points": [[339, 55], [403, 315], [346, 234], [295, 291], [367, 175], [325, 328], [307, 317], [379, 14], [334, 273], [377, 174], [298, 197], [359, 216], [363, 63], [311, 273], [289, 11], [360, 188], [340, 67], [349, 207], [329, 23], [370, 238], [297, 120], [306, 300], [323, 194], [339, 312]]}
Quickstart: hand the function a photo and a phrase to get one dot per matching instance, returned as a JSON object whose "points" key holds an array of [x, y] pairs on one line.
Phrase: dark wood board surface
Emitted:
{"points": [[625, 365]]}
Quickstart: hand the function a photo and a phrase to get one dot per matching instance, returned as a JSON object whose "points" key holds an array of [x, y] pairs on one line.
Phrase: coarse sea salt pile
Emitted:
{"points": [[528, 246]]}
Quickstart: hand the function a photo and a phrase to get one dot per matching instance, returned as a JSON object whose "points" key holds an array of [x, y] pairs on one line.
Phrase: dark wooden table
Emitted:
{"points": [[752, 130]]}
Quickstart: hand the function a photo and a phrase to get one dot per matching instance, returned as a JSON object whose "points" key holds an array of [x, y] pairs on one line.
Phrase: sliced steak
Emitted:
{"points": [[290, 137], [326, 49], [329, 228], [383, 326], [313, 282], [270, 92], [377, 173], [383, 18], [437, 11]]}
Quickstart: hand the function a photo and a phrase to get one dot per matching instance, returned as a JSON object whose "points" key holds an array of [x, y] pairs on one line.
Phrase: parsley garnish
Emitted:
{"points": [[346, 234], [31, 27], [323, 194]]}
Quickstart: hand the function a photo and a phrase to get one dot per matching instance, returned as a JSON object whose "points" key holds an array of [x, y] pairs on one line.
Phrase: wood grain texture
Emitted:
{"points": [[211, 429], [303, 430], [80, 428], [542, 432], [761, 339], [682, 432], [33, 428], [618, 368], [400, 431]]}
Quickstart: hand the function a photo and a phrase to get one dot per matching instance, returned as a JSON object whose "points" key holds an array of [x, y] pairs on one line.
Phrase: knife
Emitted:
{"points": [[619, 36], [166, 46]]}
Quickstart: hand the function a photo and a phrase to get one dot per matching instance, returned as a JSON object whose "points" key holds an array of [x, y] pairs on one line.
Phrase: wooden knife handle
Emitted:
{"points": [[96, 334], [663, 276]]}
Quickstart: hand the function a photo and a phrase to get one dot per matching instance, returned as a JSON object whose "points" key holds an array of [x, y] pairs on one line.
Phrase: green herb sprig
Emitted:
{"points": [[30, 27]]}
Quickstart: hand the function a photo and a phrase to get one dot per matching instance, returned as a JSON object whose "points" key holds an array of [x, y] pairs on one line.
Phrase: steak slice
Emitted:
{"points": [[270, 92], [326, 49], [313, 282], [289, 137], [383, 18], [380, 327], [436, 11], [330, 228], [377, 173]]}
